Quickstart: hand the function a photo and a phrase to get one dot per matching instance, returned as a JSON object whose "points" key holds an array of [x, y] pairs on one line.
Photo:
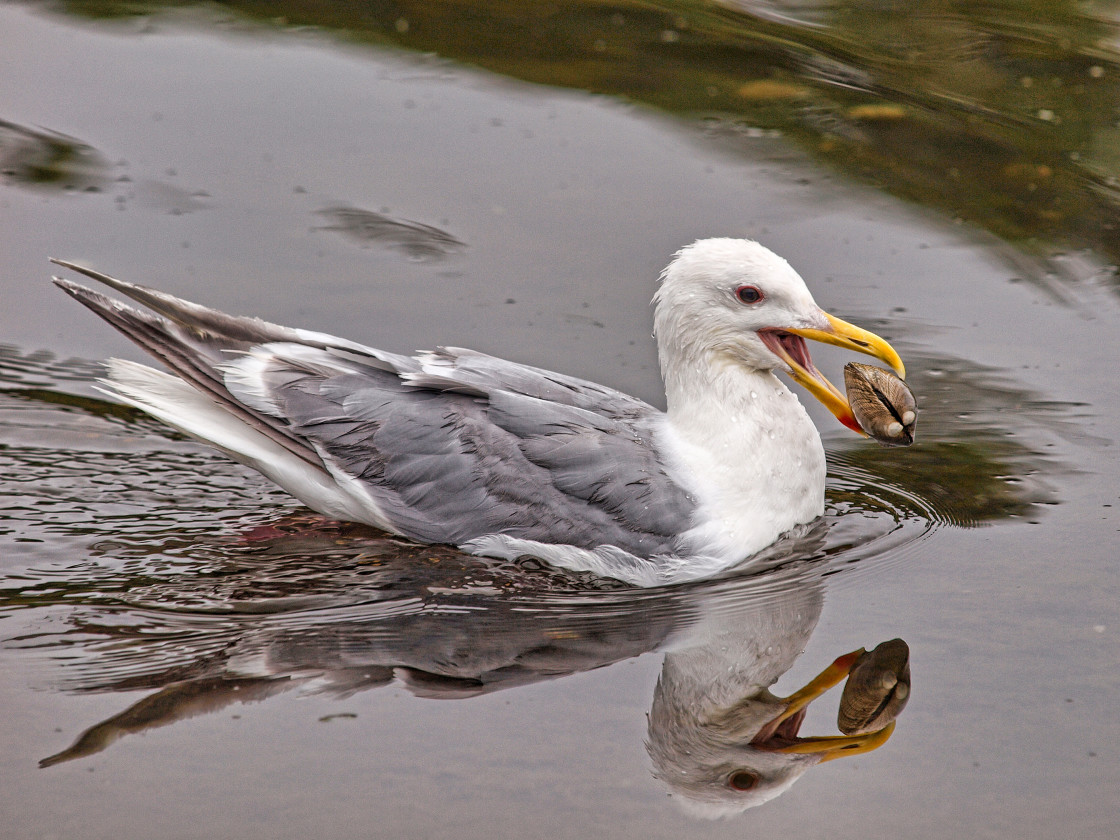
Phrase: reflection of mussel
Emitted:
{"points": [[882, 403], [877, 689]]}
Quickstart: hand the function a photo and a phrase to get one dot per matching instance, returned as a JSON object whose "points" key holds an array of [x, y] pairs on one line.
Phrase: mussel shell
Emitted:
{"points": [[877, 689], [883, 405]]}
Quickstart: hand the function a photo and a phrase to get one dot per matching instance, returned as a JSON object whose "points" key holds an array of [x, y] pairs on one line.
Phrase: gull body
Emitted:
{"points": [[502, 459]]}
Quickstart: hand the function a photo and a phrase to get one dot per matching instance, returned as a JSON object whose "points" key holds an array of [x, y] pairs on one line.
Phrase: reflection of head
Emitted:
{"points": [[723, 761], [712, 698], [712, 768], [718, 738]]}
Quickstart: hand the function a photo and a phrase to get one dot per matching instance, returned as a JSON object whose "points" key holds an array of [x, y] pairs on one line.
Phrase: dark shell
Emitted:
{"points": [[883, 405], [877, 689]]}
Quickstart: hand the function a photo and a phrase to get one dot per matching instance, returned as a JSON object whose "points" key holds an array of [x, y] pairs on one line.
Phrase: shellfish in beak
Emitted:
{"points": [[883, 405]]}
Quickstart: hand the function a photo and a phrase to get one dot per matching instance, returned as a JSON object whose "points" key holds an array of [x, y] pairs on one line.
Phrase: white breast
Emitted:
{"points": [[753, 460]]}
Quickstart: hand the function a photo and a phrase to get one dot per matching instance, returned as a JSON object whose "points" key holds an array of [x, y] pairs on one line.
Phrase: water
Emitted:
{"points": [[190, 653]]}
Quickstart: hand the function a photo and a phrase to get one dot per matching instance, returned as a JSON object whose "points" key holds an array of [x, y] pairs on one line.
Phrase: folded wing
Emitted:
{"points": [[448, 446]]}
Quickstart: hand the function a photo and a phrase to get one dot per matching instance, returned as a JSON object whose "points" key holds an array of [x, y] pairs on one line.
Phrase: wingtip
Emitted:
{"points": [[92, 274], [68, 286], [85, 295]]}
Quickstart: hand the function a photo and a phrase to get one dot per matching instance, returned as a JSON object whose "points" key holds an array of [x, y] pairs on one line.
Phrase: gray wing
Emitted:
{"points": [[453, 368], [451, 445], [465, 461]]}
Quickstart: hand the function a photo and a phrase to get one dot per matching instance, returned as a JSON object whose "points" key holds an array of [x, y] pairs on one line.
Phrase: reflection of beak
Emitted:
{"points": [[780, 734], [829, 747], [787, 345]]}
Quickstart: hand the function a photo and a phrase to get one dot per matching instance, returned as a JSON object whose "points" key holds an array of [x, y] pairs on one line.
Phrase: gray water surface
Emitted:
{"points": [[192, 654]]}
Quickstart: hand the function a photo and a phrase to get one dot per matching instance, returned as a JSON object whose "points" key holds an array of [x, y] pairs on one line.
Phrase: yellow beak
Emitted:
{"points": [[841, 334]]}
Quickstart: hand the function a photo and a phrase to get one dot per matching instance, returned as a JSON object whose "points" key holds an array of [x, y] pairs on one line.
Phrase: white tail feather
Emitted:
{"points": [[176, 403]]}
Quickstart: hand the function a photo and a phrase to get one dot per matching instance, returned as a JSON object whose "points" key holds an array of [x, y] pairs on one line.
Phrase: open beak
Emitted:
{"points": [[828, 747], [789, 346], [780, 734]]}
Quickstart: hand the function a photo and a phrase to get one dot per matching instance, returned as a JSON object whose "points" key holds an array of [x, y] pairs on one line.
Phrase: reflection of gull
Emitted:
{"points": [[502, 459], [717, 737]]}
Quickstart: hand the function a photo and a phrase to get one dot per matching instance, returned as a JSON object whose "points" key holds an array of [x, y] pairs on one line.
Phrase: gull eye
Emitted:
{"points": [[749, 294], [742, 780]]}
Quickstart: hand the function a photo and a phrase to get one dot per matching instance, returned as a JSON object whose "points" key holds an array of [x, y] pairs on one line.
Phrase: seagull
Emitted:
{"points": [[505, 460]]}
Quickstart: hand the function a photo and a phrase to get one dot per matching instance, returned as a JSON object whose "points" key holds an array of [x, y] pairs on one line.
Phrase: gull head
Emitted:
{"points": [[735, 302]]}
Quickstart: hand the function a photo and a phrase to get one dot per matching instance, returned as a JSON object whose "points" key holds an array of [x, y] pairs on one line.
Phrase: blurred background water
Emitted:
{"points": [[512, 177]]}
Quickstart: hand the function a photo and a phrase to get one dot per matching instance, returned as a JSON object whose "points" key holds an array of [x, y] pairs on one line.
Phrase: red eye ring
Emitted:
{"points": [[749, 294], [742, 780]]}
